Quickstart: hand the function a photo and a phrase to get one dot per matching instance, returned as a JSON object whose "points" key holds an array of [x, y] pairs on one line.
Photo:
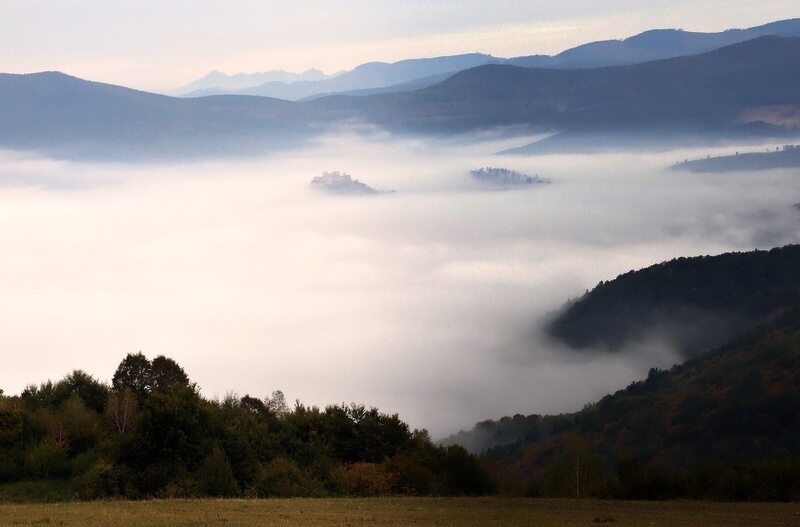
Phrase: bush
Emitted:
{"points": [[215, 477], [104, 480], [45, 460], [282, 478], [364, 479]]}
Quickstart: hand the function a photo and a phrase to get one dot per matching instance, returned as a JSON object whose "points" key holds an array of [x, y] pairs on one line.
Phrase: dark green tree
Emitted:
{"points": [[134, 372], [173, 436], [92, 392], [215, 476], [164, 372]]}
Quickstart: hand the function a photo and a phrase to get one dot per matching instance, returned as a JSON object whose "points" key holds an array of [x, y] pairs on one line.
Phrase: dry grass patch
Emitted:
{"points": [[398, 512]]}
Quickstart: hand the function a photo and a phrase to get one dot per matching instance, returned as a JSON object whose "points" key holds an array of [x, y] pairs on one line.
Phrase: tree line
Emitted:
{"points": [[151, 434]]}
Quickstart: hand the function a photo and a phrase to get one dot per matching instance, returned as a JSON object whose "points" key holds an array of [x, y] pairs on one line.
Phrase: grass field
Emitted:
{"points": [[398, 512]]}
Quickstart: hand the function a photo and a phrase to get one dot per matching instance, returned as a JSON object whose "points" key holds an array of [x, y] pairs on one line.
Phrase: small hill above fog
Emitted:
{"points": [[505, 177], [343, 184]]}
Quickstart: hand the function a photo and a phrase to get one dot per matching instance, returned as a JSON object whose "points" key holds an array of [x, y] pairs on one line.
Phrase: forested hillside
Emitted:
{"points": [[724, 425], [692, 303]]}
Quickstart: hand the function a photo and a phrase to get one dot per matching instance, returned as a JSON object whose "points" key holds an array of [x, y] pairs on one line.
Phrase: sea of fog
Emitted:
{"points": [[426, 301]]}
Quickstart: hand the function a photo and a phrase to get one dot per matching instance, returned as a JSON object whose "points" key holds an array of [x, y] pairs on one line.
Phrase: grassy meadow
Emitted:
{"points": [[398, 512]]}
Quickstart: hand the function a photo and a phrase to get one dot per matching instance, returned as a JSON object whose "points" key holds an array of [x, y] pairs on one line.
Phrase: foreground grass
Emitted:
{"points": [[398, 512]]}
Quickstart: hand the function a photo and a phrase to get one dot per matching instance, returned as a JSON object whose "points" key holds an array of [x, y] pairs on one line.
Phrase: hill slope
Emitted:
{"points": [[724, 424], [789, 157], [65, 115], [693, 302]]}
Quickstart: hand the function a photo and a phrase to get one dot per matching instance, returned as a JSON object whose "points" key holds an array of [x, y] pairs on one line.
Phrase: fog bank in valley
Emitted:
{"points": [[425, 301]]}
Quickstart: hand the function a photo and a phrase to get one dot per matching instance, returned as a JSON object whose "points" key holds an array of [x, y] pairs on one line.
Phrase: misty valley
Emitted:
{"points": [[428, 302], [604, 256]]}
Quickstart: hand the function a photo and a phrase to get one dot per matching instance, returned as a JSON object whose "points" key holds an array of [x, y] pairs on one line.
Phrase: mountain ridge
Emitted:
{"points": [[67, 116], [367, 76], [654, 44]]}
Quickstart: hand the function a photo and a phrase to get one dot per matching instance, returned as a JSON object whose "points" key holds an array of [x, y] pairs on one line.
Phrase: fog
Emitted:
{"points": [[425, 302]]}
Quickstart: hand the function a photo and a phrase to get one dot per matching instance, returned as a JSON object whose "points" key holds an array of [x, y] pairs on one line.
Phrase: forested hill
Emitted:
{"points": [[724, 425], [691, 303]]}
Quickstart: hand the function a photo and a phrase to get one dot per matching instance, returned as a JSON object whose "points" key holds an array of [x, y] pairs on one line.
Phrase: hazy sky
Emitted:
{"points": [[158, 45]]}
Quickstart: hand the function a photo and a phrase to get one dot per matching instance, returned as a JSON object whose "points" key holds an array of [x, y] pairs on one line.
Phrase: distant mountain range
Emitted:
{"points": [[370, 76], [701, 94], [407, 75], [217, 83], [728, 92]]}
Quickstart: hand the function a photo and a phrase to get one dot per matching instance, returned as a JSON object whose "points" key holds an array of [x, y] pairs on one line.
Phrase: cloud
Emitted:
{"points": [[424, 302]]}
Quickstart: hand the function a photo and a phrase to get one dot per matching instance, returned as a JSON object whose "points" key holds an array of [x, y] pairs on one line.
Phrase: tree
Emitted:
{"points": [[121, 410], [575, 473], [83, 426], [92, 392], [174, 430], [277, 403], [215, 477], [134, 372], [463, 475], [164, 372]]}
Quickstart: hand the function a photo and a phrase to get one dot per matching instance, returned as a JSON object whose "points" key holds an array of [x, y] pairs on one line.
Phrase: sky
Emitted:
{"points": [[159, 46]]}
